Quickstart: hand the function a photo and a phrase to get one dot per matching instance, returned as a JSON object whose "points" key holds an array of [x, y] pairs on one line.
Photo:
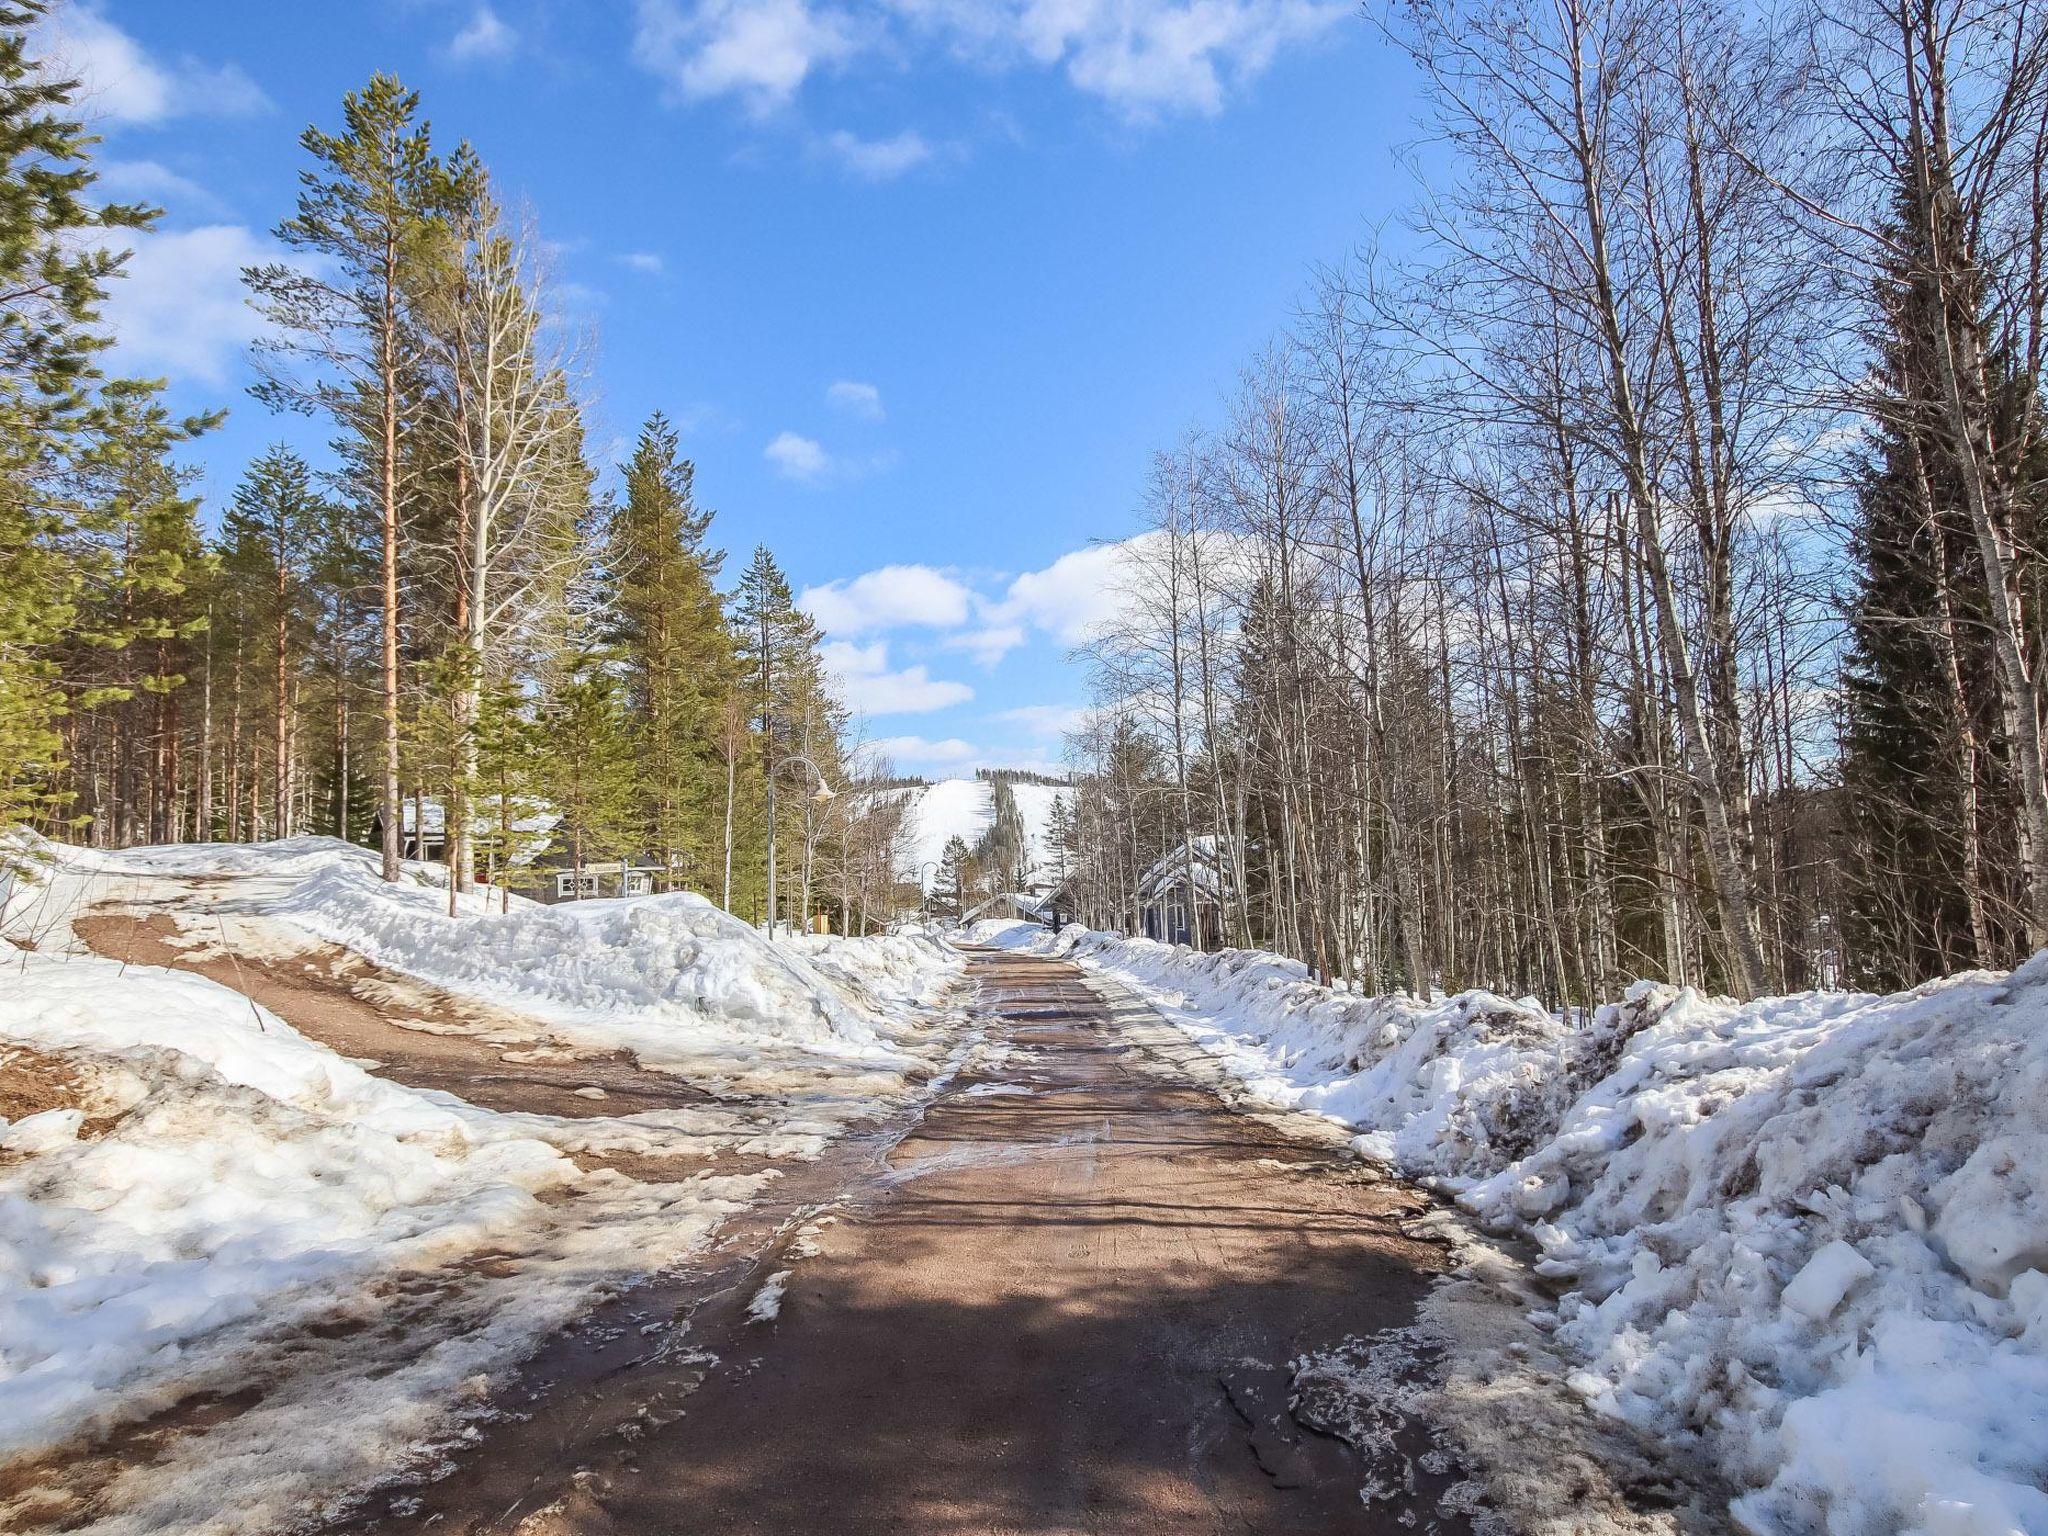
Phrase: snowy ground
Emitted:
{"points": [[197, 1199], [1808, 1234]]}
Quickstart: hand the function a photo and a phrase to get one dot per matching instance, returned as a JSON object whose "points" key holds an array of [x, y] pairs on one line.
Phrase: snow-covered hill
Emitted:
{"points": [[964, 808]]}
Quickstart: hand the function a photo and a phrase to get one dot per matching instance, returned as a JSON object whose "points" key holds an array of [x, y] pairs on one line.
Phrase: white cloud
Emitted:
{"points": [[642, 261], [877, 159], [1145, 59], [988, 644], [760, 51], [914, 754], [180, 307], [120, 82], [485, 40], [868, 685], [146, 181], [890, 598], [1046, 722], [1150, 58], [1072, 598], [855, 399], [798, 458]]}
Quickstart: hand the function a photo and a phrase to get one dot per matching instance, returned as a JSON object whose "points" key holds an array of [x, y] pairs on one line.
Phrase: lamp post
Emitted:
{"points": [[824, 793]]}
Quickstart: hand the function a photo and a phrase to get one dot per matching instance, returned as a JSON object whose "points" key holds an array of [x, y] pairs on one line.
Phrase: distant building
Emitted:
{"points": [[538, 859], [1181, 898], [1012, 904]]}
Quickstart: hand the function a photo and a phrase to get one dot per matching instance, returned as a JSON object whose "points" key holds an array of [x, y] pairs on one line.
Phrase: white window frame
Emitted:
{"points": [[639, 883], [567, 883]]}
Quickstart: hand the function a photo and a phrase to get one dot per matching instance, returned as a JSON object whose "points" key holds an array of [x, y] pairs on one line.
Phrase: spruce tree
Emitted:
{"points": [[1933, 876], [955, 878], [671, 630], [777, 653]]}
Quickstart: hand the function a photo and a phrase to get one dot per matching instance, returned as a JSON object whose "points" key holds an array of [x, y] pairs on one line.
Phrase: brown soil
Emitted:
{"points": [[1069, 1311], [31, 1082], [344, 1002]]}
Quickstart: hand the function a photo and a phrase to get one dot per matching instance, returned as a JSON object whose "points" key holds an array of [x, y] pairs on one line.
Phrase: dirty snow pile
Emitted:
{"points": [[204, 1166], [667, 977], [1810, 1231], [896, 970], [641, 969]]}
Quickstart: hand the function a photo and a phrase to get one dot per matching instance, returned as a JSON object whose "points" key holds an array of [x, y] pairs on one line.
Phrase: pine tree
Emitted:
{"points": [[372, 206], [270, 539], [54, 266], [679, 653], [146, 576]]}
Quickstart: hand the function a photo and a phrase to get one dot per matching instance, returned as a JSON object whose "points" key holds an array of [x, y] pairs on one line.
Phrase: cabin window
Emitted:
{"points": [[639, 882], [568, 884]]}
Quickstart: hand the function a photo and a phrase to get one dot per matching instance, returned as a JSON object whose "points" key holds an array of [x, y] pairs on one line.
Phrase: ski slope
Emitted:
{"points": [[964, 808]]}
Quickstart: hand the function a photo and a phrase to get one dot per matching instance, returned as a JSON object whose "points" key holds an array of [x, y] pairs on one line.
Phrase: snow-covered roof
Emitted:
{"points": [[1199, 863], [533, 822]]}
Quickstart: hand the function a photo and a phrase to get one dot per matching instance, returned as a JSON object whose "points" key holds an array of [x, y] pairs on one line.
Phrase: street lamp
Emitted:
{"points": [[823, 795]]}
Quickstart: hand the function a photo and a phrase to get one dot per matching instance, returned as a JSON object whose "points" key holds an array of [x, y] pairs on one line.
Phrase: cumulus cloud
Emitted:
{"points": [[760, 51], [867, 684], [877, 159], [180, 307], [798, 458], [853, 398], [1077, 594], [894, 597], [484, 40], [1144, 59], [121, 83], [1151, 58], [989, 643], [809, 462]]}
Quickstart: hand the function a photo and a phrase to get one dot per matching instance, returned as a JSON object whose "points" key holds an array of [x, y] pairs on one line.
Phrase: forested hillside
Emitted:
{"points": [[459, 621]]}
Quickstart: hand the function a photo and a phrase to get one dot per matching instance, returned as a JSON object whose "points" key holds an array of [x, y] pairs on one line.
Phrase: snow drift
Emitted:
{"points": [[211, 1167], [1810, 1231], [667, 977], [675, 961]]}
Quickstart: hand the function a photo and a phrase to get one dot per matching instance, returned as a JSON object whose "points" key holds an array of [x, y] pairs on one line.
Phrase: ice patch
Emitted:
{"points": [[767, 1303]]}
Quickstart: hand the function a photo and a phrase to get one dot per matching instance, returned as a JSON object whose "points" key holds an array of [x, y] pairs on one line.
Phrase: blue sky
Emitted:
{"points": [[924, 282]]}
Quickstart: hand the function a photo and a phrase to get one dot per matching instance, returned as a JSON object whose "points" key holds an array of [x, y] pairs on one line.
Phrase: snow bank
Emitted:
{"points": [[670, 978], [1810, 1231], [1008, 933], [672, 960], [897, 970], [215, 1168]]}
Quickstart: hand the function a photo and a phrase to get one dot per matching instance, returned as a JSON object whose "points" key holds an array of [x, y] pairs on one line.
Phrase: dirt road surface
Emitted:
{"points": [[1070, 1298]]}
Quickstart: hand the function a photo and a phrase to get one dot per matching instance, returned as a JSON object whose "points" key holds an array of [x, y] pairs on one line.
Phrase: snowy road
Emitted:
{"points": [[1074, 1295]]}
